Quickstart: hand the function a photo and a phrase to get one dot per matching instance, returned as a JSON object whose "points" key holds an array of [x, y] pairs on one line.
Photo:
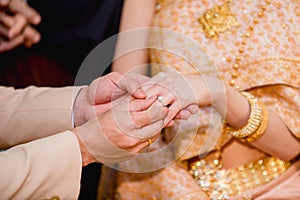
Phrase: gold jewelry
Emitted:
{"points": [[262, 128], [221, 183], [217, 20], [257, 115], [149, 142], [161, 99]]}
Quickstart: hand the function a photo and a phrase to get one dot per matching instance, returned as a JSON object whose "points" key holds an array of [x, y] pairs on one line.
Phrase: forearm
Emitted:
{"points": [[276, 140], [41, 169], [131, 50], [34, 113]]}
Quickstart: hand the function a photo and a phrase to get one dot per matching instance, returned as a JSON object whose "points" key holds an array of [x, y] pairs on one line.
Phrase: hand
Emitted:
{"points": [[182, 94], [22, 8], [121, 132], [16, 18], [97, 98]]}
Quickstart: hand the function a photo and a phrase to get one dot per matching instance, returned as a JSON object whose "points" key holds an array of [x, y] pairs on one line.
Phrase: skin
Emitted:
{"points": [[114, 112], [236, 112], [16, 25]]}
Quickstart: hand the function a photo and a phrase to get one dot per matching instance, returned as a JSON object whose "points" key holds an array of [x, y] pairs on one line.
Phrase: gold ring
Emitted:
{"points": [[149, 142]]}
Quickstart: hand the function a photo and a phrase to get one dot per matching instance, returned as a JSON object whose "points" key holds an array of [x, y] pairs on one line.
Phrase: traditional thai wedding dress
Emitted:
{"points": [[255, 46]]}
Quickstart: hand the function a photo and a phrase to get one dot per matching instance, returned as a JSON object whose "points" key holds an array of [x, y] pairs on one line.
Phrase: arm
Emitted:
{"points": [[34, 113], [135, 14], [51, 166], [232, 106], [41, 169], [277, 140]]}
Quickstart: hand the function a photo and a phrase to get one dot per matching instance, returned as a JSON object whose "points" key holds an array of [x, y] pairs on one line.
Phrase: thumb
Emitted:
{"points": [[129, 83]]}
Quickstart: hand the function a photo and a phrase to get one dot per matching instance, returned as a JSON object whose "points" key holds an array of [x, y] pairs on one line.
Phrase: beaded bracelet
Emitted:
{"points": [[257, 122], [262, 128]]}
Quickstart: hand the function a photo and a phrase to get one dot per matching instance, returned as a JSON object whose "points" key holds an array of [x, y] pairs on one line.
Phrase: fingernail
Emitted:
{"points": [[140, 93]]}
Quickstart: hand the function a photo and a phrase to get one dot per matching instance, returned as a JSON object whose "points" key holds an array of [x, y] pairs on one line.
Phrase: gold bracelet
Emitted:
{"points": [[255, 119], [262, 128]]}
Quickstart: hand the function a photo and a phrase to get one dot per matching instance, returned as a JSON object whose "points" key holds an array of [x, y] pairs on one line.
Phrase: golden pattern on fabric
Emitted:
{"points": [[262, 56], [220, 184], [162, 3], [217, 20]]}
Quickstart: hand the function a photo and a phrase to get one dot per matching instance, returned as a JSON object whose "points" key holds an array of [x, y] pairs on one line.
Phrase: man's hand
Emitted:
{"points": [[121, 132], [104, 92]]}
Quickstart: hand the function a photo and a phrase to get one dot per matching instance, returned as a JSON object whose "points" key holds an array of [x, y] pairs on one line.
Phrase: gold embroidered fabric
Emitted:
{"points": [[269, 68], [217, 20], [222, 184]]}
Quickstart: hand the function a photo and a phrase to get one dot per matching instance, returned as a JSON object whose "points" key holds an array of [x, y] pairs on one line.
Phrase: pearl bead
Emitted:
{"points": [[232, 82], [234, 75], [236, 66]]}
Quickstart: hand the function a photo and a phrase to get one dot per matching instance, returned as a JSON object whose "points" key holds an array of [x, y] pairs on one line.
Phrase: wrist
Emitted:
{"points": [[80, 104], [86, 157], [236, 110], [201, 92]]}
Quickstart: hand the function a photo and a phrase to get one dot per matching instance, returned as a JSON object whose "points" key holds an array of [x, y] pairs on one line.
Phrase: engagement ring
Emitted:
{"points": [[161, 99]]}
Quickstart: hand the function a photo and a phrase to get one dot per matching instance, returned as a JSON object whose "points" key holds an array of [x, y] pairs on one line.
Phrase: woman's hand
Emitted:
{"points": [[179, 93]]}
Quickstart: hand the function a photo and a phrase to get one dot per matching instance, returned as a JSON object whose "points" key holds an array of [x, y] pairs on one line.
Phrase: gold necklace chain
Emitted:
{"points": [[241, 50]]}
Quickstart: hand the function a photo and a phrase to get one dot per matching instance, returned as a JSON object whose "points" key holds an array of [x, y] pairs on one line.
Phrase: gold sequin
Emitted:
{"points": [[217, 20], [224, 183]]}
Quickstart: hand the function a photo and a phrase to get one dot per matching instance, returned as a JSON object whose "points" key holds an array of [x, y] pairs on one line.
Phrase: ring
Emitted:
{"points": [[161, 99], [149, 142]]}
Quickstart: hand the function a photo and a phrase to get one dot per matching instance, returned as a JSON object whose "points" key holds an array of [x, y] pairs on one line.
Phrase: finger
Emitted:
{"points": [[145, 144], [132, 86], [24, 9], [11, 44], [4, 3], [31, 35], [146, 117], [187, 112], [141, 104], [141, 79], [4, 30], [171, 123], [152, 129], [193, 109], [19, 24], [162, 92], [183, 114], [152, 89], [174, 109], [6, 20], [165, 100]]}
